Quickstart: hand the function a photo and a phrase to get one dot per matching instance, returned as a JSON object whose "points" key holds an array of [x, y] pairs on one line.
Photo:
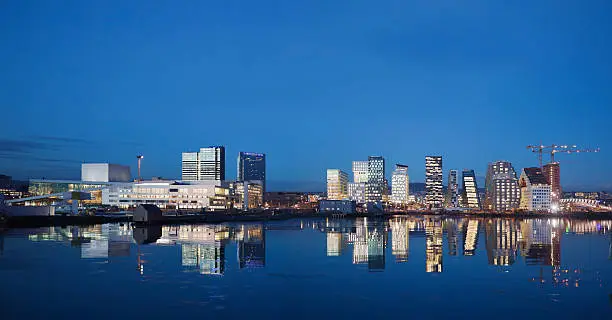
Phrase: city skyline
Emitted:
{"points": [[297, 71]]}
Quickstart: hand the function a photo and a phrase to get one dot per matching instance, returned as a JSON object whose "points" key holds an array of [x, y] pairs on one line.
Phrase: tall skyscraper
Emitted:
{"points": [[360, 171], [552, 172], [470, 190], [452, 191], [337, 184], [501, 184], [433, 181], [400, 184], [376, 185], [252, 166], [207, 164]]}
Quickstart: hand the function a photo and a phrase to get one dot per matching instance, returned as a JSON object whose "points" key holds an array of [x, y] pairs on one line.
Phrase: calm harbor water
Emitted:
{"points": [[318, 268]]}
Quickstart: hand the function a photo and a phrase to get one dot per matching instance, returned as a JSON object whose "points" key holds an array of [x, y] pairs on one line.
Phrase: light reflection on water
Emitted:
{"points": [[506, 257]]}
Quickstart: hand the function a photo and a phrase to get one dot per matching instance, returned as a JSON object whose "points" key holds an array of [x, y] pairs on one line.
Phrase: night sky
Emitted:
{"points": [[313, 84]]}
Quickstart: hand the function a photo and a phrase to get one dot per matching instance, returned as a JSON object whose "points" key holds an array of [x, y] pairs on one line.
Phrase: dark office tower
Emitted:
{"points": [[470, 190], [452, 191], [252, 166], [376, 185], [207, 164], [502, 189], [434, 197], [552, 172]]}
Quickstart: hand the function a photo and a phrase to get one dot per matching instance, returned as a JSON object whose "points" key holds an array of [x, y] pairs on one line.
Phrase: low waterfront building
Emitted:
{"points": [[174, 195], [340, 206], [535, 190], [248, 194], [286, 199]]}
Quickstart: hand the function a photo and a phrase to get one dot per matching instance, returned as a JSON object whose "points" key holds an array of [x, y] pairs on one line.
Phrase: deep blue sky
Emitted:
{"points": [[313, 84]]}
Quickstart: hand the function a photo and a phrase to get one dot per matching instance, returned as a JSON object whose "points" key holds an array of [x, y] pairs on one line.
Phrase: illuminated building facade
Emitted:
{"points": [[252, 167], [360, 171], [376, 186], [337, 184], [207, 164], [452, 190], [357, 191], [168, 195], [552, 172], [248, 194], [535, 190], [400, 185], [434, 197], [470, 197], [502, 189]]}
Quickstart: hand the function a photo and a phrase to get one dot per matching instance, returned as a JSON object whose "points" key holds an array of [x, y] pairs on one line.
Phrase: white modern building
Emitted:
{"points": [[433, 182], [207, 164], [105, 172], [535, 191], [167, 195], [341, 206], [360, 171], [337, 184], [357, 191], [400, 185]]}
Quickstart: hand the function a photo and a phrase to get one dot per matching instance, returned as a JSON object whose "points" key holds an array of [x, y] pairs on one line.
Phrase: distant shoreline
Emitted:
{"points": [[50, 221]]}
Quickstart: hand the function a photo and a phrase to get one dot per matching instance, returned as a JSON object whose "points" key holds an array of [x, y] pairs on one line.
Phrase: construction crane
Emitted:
{"points": [[553, 149]]}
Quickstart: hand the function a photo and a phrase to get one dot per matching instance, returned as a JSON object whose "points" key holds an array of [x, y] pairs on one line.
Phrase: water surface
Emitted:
{"points": [[317, 268]]}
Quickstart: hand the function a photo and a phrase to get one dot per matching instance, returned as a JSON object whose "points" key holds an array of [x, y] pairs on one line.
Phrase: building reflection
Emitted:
{"points": [[501, 241], [203, 247], [433, 240], [400, 238], [251, 246], [471, 237], [369, 243]]}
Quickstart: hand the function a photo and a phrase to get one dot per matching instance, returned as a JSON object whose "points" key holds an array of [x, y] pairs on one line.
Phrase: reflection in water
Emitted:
{"points": [[203, 247], [433, 236]]}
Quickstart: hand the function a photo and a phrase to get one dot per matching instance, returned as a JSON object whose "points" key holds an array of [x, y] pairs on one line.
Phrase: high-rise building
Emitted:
{"points": [[252, 167], [400, 184], [501, 184], [535, 190], [337, 184], [360, 171], [470, 190], [452, 191], [433, 181], [356, 192], [376, 185], [552, 172], [207, 164]]}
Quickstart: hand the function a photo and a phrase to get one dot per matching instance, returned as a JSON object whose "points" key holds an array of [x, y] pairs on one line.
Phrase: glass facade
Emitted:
{"points": [[376, 186], [360, 171], [45, 187], [207, 164], [252, 166], [452, 191], [433, 181]]}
